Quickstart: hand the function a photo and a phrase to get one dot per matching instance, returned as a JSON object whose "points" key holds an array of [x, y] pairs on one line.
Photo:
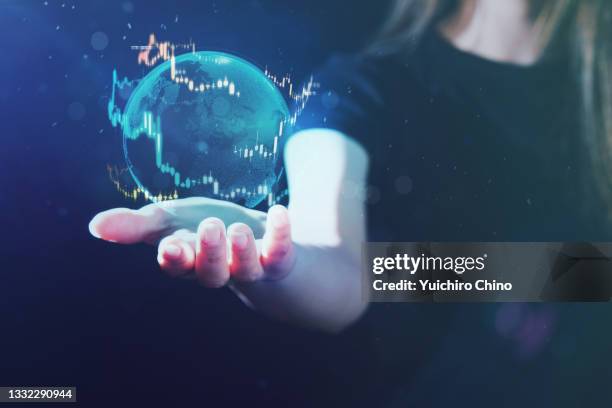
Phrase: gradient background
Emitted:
{"points": [[78, 311]]}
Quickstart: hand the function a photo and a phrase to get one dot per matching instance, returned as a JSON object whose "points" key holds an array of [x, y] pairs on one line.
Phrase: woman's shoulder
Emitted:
{"points": [[375, 78], [354, 92], [347, 95], [359, 69]]}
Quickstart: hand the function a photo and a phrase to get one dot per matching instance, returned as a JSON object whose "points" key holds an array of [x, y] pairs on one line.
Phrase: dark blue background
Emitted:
{"points": [[78, 311], [75, 310]]}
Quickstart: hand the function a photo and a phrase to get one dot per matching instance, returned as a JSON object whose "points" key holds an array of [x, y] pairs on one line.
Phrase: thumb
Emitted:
{"points": [[126, 226]]}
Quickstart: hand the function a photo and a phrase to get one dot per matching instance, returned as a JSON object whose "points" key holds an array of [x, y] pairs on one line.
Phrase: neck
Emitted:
{"points": [[497, 30]]}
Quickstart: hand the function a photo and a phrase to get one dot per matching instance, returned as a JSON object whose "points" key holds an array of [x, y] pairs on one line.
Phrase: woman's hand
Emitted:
{"points": [[306, 271], [194, 241]]}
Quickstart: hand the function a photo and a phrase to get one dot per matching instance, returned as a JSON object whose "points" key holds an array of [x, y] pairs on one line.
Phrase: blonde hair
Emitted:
{"points": [[582, 28]]}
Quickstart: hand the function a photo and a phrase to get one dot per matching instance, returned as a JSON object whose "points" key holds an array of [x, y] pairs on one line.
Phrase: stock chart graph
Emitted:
{"points": [[203, 123]]}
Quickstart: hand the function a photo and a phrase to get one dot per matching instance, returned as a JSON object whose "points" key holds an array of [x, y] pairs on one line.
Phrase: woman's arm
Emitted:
{"points": [[326, 174], [300, 265]]}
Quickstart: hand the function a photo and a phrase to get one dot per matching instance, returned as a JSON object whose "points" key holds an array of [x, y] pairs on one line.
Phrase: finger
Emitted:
{"points": [[186, 235], [176, 254], [126, 226], [211, 264], [244, 261], [277, 255], [190, 238]]}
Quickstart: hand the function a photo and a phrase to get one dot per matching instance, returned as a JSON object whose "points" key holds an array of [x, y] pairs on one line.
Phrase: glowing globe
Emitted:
{"points": [[205, 124]]}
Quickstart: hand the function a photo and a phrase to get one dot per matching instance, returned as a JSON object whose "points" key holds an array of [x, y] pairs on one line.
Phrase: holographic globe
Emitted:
{"points": [[205, 124]]}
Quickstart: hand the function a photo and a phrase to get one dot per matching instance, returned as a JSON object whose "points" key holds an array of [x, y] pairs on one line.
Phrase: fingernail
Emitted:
{"points": [[240, 240], [280, 219], [172, 251], [211, 234], [93, 229]]}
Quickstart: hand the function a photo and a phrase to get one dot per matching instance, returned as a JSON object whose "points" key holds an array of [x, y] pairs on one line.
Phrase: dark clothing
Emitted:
{"points": [[464, 149]]}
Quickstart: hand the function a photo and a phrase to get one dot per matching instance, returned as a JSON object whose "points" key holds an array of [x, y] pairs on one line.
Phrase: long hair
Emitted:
{"points": [[581, 28]]}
